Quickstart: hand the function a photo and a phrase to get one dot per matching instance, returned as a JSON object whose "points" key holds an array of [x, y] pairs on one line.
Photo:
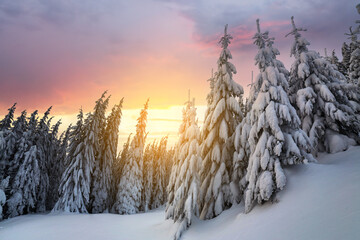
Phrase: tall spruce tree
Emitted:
{"points": [[275, 138], [7, 141], [346, 53], [354, 61], [74, 189], [326, 105], [15, 148], [101, 190], [117, 171], [62, 151], [55, 165], [168, 161], [217, 146], [128, 199], [5, 123], [25, 184], [44, 145], [148, 174], [94, 128], [159, 188], [339, 65], [3, 185], [183, 189]]}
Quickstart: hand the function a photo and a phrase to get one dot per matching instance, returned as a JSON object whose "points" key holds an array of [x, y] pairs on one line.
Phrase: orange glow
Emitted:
{"points": [[161, 122]]}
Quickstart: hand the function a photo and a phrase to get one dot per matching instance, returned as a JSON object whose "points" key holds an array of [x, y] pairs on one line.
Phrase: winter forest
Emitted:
{"points": [[238, 155]]}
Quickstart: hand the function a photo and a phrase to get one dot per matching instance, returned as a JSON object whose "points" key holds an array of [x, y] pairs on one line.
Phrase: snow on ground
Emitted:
{"points": [[320, 201]]}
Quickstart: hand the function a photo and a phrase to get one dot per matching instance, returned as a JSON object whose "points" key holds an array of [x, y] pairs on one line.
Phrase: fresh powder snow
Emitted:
{"points": [[320, 201]]}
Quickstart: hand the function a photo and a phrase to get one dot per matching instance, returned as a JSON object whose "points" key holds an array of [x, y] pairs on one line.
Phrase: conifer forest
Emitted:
{"points": [[227, 166]]}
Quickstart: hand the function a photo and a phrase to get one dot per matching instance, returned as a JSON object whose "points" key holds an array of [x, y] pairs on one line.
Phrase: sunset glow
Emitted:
{"points": [[66, 54], [165, 119]]}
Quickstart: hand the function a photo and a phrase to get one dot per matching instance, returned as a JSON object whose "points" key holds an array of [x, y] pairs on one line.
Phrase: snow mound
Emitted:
{"points": [[320, 201], [336, 142]]}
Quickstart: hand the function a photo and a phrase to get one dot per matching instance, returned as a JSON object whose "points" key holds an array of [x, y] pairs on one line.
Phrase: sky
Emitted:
{"points": [[65, 53]]}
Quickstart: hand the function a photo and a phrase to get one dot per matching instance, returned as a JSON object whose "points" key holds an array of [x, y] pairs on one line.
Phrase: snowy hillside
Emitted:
{"points": [[323, 205]]}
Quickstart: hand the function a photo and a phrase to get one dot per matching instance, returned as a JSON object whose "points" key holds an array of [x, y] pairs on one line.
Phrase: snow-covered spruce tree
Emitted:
{"points": [[242, 132], [339, 65], [117, 171], [7, 141], [159, 188], [168, 166], [240, 158], [25, 185], [326, 104], [128, 199], [15, 148], [44, 147], [177, 164], [5, 123], [217, 146], [163, 158], [210, 95], [122, 158], [354, 61], [94, 127], [74, 189], [110, 149], [3, 185], [148, 172], [55, 166], [62, 151], [275, 138], [346, 53], [101, 191], [242, 147], [184, 188]]}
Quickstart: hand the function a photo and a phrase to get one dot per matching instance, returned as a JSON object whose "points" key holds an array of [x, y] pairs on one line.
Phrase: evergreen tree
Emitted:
{"points": [[74, 187], [5, 124], [148, 172], [117, 171], [159, 188], [15, 147], [326, 105], [217, 146], [3, 185], [123, 156], [163, 157], [101, 191], [326, 56], [94, 128], [7, 141], [128, 199], [168, 166], [62, 151], [275, 137], [25, 185], [183, 189], [339, 65], [354, 61], [111, 143], [55, 164], [346, 53], [43, 145], [242, 147]]}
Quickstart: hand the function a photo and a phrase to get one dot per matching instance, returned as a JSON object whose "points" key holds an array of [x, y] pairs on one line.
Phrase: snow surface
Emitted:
{"points": [[320, 201]]}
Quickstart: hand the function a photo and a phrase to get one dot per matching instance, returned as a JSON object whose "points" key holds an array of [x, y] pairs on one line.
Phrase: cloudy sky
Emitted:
{"points": [[66, 53]]}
